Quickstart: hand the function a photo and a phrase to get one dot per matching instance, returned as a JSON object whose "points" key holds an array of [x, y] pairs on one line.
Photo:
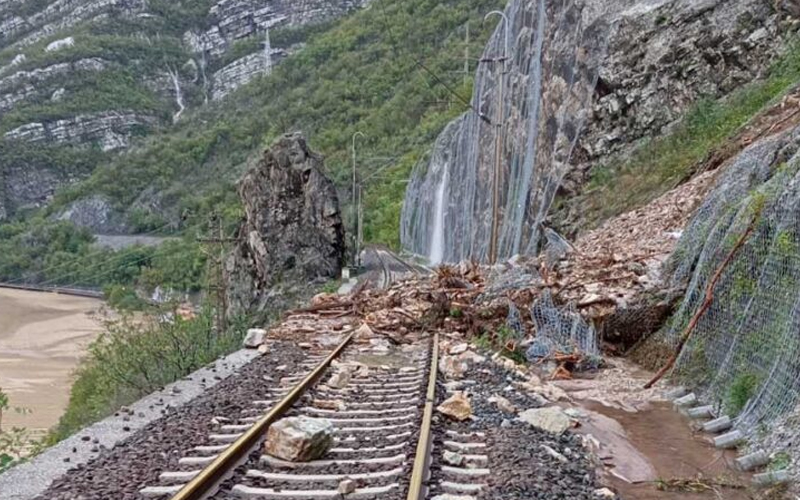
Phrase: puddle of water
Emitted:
{"points": [[663, 437], [42, 338]]}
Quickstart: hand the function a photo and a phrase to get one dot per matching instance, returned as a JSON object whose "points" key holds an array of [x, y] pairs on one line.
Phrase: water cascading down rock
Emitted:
{"points": [[585, 82], [549, 79], [292, 235]]}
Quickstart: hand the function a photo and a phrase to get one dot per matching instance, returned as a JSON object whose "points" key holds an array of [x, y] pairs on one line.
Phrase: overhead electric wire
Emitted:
{"points": [[429, 71], [95, 253]]}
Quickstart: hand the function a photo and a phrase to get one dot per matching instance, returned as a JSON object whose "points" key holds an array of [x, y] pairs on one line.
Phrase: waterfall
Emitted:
{"points": [[556, 49], [437, 238]]}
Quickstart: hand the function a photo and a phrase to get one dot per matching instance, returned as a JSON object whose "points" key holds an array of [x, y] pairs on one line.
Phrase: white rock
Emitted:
{"points": [[758, 35], [459, 348], [254, 338], [471, 357], [60, 44], [551, 419], [604, 493], [299, 439], [453, 458], [575, 413], [452, 367], [503, 404], [553, 453], [339, 380], [346, 486]]}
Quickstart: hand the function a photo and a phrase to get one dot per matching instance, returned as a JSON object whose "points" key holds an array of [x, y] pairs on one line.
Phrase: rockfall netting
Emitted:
{"points": [[743, 356], [554, 52], [559, 330]]}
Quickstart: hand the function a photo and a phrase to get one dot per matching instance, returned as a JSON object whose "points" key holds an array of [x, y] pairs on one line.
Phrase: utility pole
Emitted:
{"points": [[498, 148], [267, 53], [354, 199], [215, 268], [360, 212], [466, 57]]}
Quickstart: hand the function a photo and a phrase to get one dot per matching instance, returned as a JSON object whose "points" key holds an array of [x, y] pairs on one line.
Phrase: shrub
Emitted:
{"points": [[133, 358], [741, 390]]}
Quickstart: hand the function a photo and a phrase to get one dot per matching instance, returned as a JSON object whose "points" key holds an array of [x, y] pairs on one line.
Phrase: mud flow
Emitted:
{"points": [[42, 338]]}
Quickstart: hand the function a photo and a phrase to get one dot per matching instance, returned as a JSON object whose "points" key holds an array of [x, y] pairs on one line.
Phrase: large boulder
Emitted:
{"points": [[292, 234], [299, 439], [456, 407]]}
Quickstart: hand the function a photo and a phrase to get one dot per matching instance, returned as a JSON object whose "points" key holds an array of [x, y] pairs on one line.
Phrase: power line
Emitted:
{"points": [[96, 253], [429, 71]]}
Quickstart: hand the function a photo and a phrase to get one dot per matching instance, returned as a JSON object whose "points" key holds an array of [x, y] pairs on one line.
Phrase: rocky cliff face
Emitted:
{"points": [[584, 81], [109, 131], [292, 235], [19, 28]]}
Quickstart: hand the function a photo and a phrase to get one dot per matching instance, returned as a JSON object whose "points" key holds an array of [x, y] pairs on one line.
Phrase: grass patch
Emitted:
{"points": [[503, 342], [134, 358], [780, 461], [662, 163], [741, 390]]}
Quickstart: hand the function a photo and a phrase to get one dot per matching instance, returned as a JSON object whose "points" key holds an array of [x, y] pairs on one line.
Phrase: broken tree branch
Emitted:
{"points": [[321, 307], [709, 298]]}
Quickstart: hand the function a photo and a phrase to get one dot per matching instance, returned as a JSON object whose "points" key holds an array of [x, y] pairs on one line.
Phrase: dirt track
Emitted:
{"points": [[42, 337]]}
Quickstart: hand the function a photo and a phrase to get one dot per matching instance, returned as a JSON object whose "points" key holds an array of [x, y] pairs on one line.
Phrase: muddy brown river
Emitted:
{"points": [[42, 338]]}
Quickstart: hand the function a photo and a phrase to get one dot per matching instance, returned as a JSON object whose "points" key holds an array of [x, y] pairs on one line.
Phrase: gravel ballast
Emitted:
{"points": [[152, 446], [521, 465]]}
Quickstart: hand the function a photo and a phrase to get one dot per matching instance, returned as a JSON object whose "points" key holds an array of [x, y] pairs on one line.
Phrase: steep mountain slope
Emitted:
{"points": [[80, 79], [360, 74]]}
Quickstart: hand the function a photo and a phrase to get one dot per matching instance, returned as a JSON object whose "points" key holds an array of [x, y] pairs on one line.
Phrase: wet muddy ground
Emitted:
{"points": [[665, 438], [650, 451]]}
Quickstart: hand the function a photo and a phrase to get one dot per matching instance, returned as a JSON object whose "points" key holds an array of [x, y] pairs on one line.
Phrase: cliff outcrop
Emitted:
{"points": [[292, 236], [584, 83]]}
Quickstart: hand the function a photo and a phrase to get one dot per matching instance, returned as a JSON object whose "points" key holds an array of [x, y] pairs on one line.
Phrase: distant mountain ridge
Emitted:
{"points": [[81, 79]]}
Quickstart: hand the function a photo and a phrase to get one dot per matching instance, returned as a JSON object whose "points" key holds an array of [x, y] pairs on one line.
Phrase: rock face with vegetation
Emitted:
{"points": [[81, 79], [585, 82], [292, 236], [339, 76]]}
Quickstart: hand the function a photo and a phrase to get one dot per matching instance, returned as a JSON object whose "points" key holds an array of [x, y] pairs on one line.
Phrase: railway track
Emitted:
{"points": [[383, 439], [386, 267]]}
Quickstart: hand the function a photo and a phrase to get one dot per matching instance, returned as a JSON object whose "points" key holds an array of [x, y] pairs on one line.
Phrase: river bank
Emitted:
{"points": [[42, 338]]}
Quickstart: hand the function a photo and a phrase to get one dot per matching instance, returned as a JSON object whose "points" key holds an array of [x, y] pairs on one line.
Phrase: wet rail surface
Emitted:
{"points": [[384, 267]]}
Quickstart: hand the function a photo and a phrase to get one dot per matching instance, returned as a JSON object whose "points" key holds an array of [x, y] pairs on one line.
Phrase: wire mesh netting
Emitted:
{"points": [[555, 248], [559, 329], [743, 355]]}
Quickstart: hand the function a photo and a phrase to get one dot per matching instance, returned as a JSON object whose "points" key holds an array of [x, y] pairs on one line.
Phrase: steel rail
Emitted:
{"points": [[417, 489], [209, 479]]}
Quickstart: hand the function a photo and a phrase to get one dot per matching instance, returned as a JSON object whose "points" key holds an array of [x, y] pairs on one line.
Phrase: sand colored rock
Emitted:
{"points": [[299, 439], [456, 407]]}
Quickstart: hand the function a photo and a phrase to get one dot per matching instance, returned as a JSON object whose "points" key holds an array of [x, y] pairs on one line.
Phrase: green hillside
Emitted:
{"points": [[357, 74]]}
